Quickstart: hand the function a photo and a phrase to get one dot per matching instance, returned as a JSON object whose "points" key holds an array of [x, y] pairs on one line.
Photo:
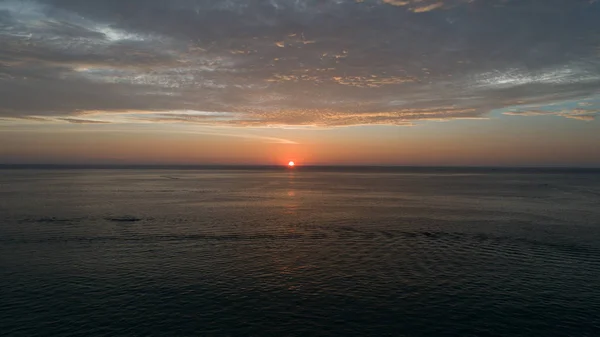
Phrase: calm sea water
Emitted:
{"points": [[298, 253]]}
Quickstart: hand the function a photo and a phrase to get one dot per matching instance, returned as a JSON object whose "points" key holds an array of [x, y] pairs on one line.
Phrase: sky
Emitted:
{"points": [[319, 82]]}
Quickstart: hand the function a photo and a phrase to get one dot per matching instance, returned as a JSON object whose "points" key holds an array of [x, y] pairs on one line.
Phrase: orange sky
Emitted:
{"points": [[508, 140]]}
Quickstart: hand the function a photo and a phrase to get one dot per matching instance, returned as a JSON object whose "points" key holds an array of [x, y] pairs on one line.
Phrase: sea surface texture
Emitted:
{"points": [[299, 253]]}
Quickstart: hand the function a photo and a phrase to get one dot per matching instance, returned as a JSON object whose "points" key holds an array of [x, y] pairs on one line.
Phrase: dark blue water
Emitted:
{"points": [[300, 253]]}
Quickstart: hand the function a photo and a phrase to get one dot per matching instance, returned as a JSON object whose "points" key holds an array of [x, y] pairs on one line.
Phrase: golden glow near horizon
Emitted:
{"points": [[291, 164]]}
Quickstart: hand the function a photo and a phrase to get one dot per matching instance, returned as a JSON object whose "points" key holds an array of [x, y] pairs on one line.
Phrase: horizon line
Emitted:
{"points": [[297, 167]]}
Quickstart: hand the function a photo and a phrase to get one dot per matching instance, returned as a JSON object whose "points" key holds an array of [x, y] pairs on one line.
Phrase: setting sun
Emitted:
{"points": [[291, 164]]}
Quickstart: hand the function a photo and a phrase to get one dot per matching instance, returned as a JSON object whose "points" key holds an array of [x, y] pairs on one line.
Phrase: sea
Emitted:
{"points": [[264, 251]]}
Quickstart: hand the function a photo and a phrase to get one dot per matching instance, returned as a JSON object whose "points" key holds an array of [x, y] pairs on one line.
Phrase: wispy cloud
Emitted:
{"points": [[579, 114], [83, 121], [428, 8]]}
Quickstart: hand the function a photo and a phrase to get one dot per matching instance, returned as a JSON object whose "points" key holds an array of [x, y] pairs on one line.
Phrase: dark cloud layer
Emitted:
{"points": [[297, 62]]}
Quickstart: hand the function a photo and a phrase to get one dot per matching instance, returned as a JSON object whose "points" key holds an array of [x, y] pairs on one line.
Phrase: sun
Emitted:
{"points": [[291, 164]]}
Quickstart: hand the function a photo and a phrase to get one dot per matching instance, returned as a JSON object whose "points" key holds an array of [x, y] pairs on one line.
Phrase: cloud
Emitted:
{"points": [[397, 2], [428, 8], [422, 6], [83, 121], [577, 113], [278, 62]]}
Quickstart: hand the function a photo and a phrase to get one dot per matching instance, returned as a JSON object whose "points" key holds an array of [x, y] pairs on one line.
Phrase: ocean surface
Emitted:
{"points": [[215, 252]]}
